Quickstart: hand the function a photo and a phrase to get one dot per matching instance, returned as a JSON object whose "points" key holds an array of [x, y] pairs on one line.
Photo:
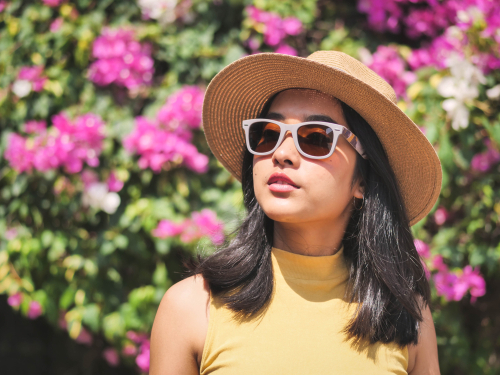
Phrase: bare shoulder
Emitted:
{"points": [[180, 328], [423, 357]]}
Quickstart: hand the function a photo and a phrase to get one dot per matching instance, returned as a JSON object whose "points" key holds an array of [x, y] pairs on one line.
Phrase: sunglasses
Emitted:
{"points": [[313, 139]]}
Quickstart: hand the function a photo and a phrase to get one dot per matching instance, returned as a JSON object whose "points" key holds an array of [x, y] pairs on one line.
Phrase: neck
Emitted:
{"points": [[312, 239]]}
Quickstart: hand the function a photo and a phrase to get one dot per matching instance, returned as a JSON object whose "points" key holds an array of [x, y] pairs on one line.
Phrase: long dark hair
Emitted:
{"points": [[386, 279]]}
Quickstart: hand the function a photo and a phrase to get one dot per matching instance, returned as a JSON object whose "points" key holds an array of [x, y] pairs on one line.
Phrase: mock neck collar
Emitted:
{"points": [[305, 267]]}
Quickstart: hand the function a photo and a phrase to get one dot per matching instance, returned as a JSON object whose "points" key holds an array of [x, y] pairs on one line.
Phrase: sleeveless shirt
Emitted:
{"points": [[300, 331]]}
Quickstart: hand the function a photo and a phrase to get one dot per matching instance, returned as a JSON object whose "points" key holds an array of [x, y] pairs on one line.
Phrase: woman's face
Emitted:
{"points": [[322, 190]]}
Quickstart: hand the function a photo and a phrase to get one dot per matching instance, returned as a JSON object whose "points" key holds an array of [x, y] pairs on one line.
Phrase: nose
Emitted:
{"points": [[286, 153]]}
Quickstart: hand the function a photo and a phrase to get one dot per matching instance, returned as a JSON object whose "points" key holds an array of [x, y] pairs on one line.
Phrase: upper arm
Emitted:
{"points": [[425, 354], [179, 329]]}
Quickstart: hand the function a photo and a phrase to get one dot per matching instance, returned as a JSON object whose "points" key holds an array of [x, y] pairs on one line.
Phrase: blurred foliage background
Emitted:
{"points": [[107, 184]]}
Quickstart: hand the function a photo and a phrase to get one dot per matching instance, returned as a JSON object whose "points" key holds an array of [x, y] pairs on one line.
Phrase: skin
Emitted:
{"points": [[310, 220]]}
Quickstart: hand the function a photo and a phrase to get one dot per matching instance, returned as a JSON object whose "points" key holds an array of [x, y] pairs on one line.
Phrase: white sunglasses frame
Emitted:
{"points": [[292, 128]]}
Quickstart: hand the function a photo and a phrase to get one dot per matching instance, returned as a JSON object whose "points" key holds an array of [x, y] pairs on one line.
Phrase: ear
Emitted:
{"points": [[359, 190]]}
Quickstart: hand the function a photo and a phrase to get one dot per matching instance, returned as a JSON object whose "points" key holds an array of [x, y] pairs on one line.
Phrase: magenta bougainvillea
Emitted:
{"points": [[166, 140], [68, 144], [201, 224], [121, 59], [452, 285], [275, 30], [387, 62]]}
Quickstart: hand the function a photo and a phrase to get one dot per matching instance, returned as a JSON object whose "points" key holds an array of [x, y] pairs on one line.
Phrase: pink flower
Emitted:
{"points": [[129, 350], [138, 338], [441, 216], [142, 360], [480, 163], [15, 300], [430, 21], [253, 44], [292, 26], [10, 234], [34, 310], [56, 24], [275, 28], [69, 144], [167, 228], [453, 286], [121, 60], [52, 3], [182, 109], [445, 282], [390, 66], [437, 52], [19, 153], [84, 337], [475, 282], [484, 161], [111, 356], [422, 248], [462, 16], [438, 264], [89, 177], [160, 147], [3, 5], [208, 225], [285, 49], [34, 126], [200, 224], [114, 184], [382, 14], [33, 74]]}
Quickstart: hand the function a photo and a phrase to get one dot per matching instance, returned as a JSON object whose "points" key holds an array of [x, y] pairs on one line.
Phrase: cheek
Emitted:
{"points": [[328, 191], [262, 166]]}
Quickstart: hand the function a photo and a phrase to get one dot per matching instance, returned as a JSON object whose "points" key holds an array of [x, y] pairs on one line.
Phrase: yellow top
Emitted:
{"points": [[300, 331]]}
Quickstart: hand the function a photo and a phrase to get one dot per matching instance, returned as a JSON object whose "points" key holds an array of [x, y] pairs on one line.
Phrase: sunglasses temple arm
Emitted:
{"points": [[354, 142]]}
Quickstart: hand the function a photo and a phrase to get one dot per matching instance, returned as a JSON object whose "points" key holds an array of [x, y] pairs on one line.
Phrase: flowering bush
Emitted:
{"points": [[121, 60], [68, 145], [107, 182], [390, 66], [274, 29]]}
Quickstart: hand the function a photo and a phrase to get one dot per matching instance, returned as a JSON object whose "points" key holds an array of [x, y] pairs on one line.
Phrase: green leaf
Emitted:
{"points": [[113, 326], [160, 275], [91, 316]]}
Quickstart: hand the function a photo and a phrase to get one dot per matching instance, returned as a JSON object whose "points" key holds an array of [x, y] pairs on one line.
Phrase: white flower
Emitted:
{"points": [[21, 88], [462, 88], [458, 113], [110, 203], [365, 56], [95, 194], [98, 196], [493, 93], [161, 10]]}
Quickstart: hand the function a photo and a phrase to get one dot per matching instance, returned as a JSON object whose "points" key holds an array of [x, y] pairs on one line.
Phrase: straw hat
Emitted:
{"points": [[240, 91]]}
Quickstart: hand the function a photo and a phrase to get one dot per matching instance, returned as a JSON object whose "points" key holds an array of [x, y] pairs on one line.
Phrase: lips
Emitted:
{"points": [[281, 183]]}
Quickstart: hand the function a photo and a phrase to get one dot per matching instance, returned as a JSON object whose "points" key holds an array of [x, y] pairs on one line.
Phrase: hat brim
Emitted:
{"points": [[240, 91]]}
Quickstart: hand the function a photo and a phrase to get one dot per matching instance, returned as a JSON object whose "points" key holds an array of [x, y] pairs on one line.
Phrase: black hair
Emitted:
{"points": [[386, 277]]}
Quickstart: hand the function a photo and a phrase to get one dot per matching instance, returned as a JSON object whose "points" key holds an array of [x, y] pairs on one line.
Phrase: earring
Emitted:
{"points": [[362, 203]]}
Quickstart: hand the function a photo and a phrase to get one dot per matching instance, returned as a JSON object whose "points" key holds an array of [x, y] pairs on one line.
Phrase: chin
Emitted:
{"points": [[284, 213]]}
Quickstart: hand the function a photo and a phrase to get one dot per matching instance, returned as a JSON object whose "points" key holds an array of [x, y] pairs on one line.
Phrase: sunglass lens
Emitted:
{"points": [[263, 136], [315, 140]]}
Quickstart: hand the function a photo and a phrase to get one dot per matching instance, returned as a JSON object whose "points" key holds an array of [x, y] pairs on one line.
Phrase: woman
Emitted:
{"points": [[322, 276]]}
